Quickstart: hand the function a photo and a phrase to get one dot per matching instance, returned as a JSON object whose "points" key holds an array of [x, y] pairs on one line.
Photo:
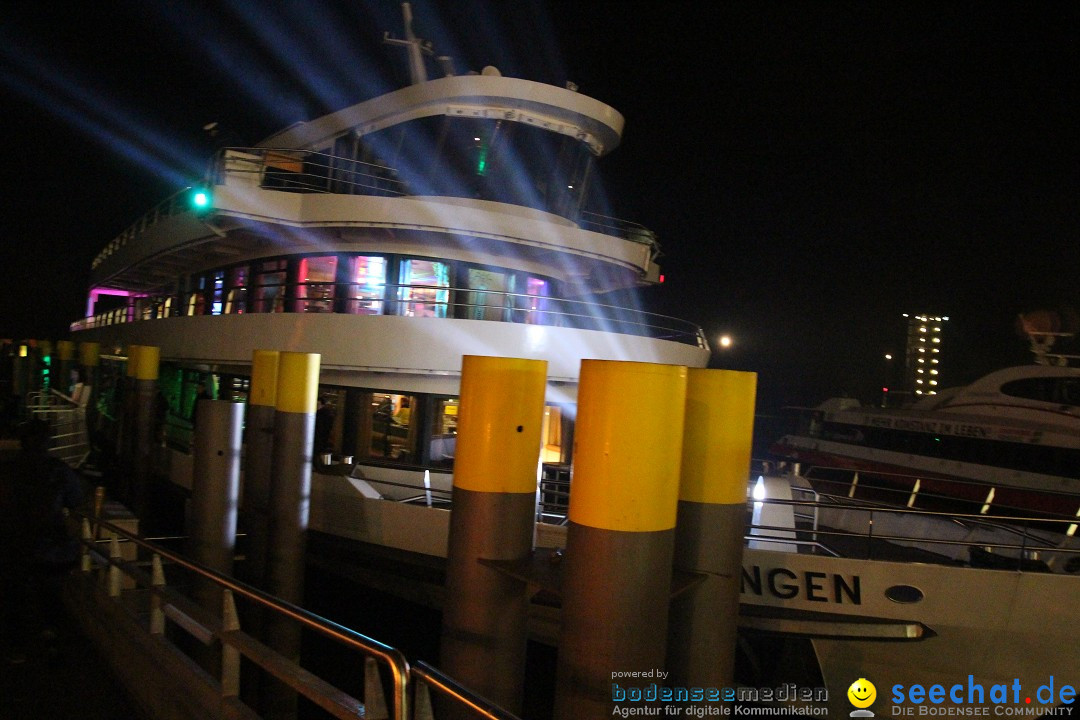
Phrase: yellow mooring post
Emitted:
{"points": [[63, 364], [145, 373], [126, 444], [255, 511], [89, 360], [290, 505], [711, 526], [258, 461], [485, 615], [617, 568]]}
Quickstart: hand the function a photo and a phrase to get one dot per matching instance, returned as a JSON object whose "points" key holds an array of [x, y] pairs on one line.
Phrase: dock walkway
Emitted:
{"points": [[62, 678]]}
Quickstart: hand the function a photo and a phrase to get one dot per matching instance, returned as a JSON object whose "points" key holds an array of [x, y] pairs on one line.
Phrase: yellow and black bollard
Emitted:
{"points": [[258, 461], [126, 442], [485, 615], [711, 526], [145, 373], [89, 360], [62, 366], [290, 504], [623, 500]]}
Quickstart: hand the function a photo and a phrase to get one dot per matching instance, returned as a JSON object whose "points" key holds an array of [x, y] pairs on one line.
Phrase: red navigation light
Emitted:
{"points": [[661, 279], [884, 389]]}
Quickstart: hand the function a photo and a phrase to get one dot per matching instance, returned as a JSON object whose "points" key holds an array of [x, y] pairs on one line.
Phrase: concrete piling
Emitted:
{"points": [[617, 568], [711, 525], [485, 615], [215, 492]]}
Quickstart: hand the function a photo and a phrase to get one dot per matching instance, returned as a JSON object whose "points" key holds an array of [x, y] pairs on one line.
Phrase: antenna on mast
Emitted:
{"points": [[414, 45]]}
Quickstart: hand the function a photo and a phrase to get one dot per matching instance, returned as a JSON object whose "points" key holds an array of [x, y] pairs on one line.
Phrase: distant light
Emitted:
{"points": [[570, 186], [661, 279], [888, 356], [884, 389], [725, 341], [476, 139]]}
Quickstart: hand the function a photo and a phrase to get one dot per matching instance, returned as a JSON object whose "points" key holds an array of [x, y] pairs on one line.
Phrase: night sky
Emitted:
{"points": [[812, 170]]}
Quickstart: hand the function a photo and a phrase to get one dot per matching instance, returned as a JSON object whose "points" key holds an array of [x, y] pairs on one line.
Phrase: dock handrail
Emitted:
{"points": [[409, 684], [66, 417]]}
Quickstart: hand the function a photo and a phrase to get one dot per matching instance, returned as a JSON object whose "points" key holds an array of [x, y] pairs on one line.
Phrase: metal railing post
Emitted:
{"points": [[230, 656], [115, 576], [157, 584], [374, 697]]}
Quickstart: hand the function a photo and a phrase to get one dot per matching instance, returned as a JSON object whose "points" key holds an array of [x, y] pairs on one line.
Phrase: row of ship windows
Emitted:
{"points": [[1025, 457], [376, 426], [360, 285]]}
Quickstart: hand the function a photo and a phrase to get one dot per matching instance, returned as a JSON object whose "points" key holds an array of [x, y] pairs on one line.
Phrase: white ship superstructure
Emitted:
{"points": [[393, 237]]}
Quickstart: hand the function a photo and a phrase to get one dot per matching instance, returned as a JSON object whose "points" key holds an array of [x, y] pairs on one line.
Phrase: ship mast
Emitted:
{"points": [[414, 45]]}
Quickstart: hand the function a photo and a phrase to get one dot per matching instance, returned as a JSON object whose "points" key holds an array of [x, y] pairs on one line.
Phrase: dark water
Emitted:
{"points": [[414, 629]]}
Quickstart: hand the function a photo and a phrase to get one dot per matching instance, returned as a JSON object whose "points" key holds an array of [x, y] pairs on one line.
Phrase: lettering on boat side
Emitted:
{"points": [[932, 426], [808, 585]]}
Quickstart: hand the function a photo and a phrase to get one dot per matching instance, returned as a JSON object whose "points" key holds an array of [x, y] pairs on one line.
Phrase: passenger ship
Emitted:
{"points": [[449, 218], [393, 237], [1008, 443]]}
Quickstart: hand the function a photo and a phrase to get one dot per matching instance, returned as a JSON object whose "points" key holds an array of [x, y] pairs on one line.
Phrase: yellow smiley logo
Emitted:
{"points": [[862, 693]]}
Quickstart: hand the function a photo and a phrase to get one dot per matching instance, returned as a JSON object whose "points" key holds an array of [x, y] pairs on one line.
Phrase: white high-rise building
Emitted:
{"points": [[922, 361]]}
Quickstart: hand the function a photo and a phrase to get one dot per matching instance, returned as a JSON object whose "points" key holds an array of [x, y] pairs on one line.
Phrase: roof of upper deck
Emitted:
{"points": [[553, 108]]}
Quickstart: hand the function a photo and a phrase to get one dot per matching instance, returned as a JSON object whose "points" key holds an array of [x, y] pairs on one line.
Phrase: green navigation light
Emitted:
{"points": [[200, 199]]}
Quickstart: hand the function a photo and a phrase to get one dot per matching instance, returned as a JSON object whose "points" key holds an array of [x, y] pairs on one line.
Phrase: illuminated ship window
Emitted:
{"points": [[424, 288], [236, 299], [268, 285], [367, 283], [489, 294], [537, 291], [315, 284]]}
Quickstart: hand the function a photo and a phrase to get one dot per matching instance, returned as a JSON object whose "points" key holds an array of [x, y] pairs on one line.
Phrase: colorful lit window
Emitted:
{"points": [[424, 288], [315, 284], [367, 282], [268, 286], [487, 296]]}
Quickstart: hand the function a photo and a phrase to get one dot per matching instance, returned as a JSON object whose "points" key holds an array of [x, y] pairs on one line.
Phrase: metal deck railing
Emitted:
{"points": [[411, 686], [66, 417], [1009, 541], [413, 300]]}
